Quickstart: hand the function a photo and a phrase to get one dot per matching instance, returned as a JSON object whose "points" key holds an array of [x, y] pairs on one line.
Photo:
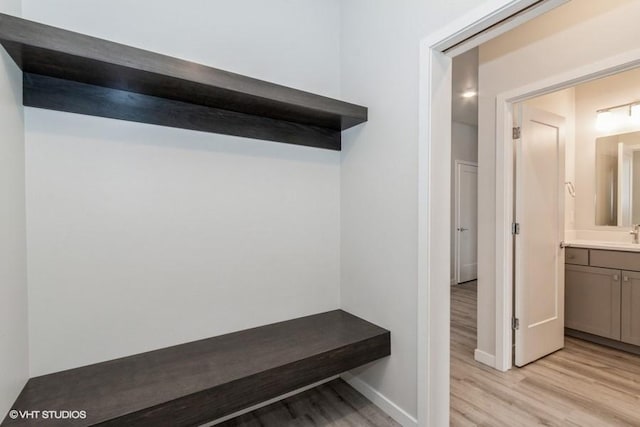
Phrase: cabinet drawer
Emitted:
{"points": [[612, 259], [576, 256]]}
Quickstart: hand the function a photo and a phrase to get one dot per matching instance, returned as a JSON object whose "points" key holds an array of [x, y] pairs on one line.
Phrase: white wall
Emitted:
{"points": [[380, 63], [14, 369], [573, 35], [464, 146], [590, 97], [465, 78], [141, 236]]}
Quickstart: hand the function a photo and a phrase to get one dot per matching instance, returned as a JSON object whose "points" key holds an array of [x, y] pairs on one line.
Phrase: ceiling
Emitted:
{"points": [[465, 79]]}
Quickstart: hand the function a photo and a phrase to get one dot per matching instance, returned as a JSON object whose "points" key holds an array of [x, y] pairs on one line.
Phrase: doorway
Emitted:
{"points": [[547, 76], [505, 258], [599, 301], [466, 221], [434, 190], [464, 168]]}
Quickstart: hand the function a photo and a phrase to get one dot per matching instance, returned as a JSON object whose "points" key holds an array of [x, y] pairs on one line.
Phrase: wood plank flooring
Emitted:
{"points": [[582, 385], [333, 404]]}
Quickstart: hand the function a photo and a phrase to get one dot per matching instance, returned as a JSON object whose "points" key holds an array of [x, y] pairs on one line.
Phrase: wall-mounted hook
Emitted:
{"points": [[571, 188]]}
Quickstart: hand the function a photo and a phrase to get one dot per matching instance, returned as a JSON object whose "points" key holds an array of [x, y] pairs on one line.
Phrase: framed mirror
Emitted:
{"points": [[618, 180]]}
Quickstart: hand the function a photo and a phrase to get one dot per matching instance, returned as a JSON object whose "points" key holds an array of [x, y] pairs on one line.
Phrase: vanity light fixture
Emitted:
{"points": [[469, 94], [606, 121], [634, 112], [618, 116]]}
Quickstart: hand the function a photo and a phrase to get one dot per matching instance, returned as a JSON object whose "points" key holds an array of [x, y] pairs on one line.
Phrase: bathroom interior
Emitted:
{"points": [[601, 207]]}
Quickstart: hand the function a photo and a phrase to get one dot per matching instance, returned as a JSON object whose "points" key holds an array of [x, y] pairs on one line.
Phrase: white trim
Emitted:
{"points": [[434, 193], [504, 181], [269, 402], [456, 215], [485, 358], [454, 282], [433, 239], [481, 20], [510, 22], [381, 401], [504, 238], [465, 162]]}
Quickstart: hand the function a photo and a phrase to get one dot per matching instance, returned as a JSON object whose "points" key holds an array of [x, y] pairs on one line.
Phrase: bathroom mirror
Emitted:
{"points": [[618, 180]]}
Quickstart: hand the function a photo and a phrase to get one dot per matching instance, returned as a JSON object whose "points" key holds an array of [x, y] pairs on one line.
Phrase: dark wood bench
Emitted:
{"points": [[201, 381]]}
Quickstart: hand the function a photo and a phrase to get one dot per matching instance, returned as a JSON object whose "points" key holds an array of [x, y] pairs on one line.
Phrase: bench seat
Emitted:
{"points": [[201, 381]]}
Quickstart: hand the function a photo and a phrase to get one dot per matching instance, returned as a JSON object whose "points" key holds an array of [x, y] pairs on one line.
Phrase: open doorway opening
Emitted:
{"points": [[464, 169], [597, 207], [538, 183], [434, 190]]}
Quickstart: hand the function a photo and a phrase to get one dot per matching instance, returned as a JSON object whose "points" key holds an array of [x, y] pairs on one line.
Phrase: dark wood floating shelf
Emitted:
{"points": [[201, 381], [72, 72]]}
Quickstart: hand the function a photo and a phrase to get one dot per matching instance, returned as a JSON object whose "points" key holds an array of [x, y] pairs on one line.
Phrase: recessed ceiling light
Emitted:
{"points": [[469, 94]]}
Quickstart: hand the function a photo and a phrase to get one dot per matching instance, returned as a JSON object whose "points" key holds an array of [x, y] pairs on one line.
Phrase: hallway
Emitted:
{"points": [[582, 385]]}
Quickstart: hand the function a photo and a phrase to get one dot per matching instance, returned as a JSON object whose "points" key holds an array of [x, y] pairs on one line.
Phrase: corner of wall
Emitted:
{"points": [[381, 401], [14, 360], [484, 358]]}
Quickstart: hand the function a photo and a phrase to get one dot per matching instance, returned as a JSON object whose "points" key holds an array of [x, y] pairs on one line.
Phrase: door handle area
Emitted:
{"points": [[462, 229]]}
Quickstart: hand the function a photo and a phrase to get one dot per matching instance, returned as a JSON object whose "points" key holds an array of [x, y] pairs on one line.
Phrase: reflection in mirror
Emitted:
{"points": [[618, 180]]}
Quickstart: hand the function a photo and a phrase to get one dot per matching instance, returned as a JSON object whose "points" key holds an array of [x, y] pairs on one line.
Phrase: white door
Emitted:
{"points": [[539, 257], [466, 222]]}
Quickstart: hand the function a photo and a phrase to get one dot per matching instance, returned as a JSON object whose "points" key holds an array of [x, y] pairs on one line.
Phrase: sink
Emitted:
{"points": [[598, 244]]}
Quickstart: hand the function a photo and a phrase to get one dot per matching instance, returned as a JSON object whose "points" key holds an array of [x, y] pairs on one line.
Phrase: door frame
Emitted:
{"points": [[456, 198], [434, 188], [487, 21], [504, 182]]}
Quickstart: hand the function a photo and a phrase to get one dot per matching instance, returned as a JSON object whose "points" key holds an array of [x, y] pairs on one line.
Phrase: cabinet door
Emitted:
{"points": [[592, 300], [631, 307]]}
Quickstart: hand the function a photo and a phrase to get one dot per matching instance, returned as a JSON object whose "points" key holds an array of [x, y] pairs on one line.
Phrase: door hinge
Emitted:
{"points": [[515, 323], [515, 228], [516, 132]]}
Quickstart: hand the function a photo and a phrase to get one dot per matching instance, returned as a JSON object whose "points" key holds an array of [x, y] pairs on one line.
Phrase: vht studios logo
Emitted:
{"points": [[47, 415]]}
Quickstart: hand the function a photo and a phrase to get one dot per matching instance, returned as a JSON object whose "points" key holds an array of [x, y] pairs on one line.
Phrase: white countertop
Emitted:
{"points": [[596, 244]]}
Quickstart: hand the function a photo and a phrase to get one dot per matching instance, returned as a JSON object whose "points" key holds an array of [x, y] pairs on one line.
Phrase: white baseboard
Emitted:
{"points": [[381, 401], [486, 358], [268, 402], [378, 399], [454, 282]]}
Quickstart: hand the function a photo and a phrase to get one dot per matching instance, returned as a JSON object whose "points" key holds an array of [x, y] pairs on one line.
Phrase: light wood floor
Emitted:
{"points": [[333, 404], [582, 385]]}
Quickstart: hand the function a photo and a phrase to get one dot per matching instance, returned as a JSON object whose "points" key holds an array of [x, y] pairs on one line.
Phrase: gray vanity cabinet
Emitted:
{"points": [[602, 297], [631, 307], [592, 300]]}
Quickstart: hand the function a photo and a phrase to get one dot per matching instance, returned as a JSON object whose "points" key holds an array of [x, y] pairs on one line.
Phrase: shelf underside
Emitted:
{"points": [[73, 97], [73, 72]]}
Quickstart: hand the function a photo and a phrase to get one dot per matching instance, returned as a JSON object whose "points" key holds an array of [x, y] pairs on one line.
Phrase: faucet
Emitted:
{"points": [[635, 232]]}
